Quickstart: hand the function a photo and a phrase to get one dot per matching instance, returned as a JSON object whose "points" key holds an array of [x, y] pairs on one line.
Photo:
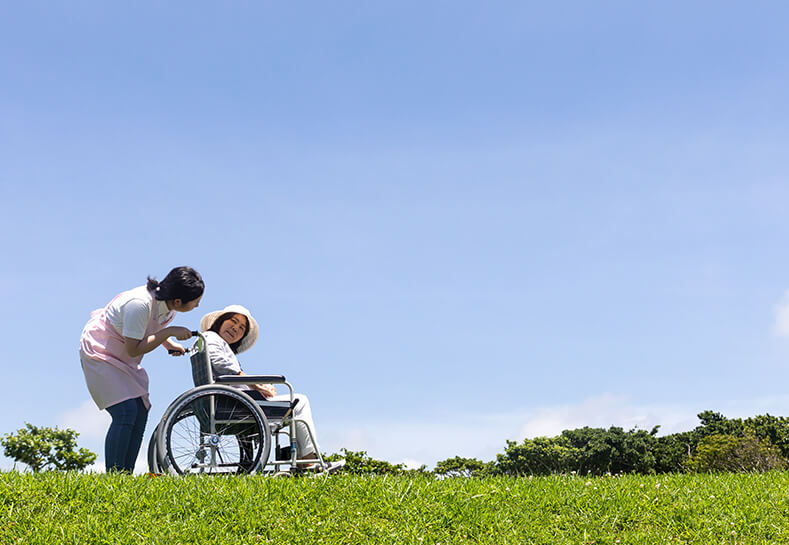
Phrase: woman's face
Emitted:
{"points": [[233, 329]]}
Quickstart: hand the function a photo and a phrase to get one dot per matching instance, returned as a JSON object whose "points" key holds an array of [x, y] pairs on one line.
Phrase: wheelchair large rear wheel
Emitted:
{"points": [[213, 429], [153, 453]]}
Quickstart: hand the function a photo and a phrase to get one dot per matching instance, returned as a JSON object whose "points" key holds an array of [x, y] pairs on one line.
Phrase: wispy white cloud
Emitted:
{"points": [[605, 411], [92, 425], [423, 441], [483, 435], [781, 322], [473, 435], [87, 420]]}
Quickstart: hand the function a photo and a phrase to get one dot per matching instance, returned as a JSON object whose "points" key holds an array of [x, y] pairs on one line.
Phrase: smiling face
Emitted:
{"points": [[234, 328]]}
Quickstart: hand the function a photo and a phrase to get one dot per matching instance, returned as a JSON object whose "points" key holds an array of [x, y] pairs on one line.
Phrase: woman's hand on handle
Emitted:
{"points": [[138, 347], [180, 333], [174, 348]]}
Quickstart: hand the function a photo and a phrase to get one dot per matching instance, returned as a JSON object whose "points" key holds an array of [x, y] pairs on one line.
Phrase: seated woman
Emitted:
{"points": [[233, 330]]}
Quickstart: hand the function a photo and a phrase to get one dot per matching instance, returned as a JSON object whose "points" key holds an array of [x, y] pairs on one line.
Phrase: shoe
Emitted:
{"points": [[317, 469]]}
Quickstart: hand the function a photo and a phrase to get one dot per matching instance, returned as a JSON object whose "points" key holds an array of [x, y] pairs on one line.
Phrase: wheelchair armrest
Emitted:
{"points": [[250, 379]]}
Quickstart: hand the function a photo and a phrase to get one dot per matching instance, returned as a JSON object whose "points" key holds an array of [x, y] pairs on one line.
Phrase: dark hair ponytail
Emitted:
{"points": [[182, 283]]}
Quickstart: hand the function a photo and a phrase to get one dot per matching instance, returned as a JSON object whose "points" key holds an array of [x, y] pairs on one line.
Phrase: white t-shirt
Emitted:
{"points": [[130, 312]]}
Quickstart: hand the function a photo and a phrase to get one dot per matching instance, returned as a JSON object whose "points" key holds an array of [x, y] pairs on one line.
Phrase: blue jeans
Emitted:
{"points": [[125, 434]]}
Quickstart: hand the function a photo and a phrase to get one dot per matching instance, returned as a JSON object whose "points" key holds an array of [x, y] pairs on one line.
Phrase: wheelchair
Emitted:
{"points": [[215, 428]]}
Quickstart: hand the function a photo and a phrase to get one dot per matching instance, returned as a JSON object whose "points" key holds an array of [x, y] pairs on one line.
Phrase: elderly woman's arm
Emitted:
{"points": [[224, 362], [267, 390]]}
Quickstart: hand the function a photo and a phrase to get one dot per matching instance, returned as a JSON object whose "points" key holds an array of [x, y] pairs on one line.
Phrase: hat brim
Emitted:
{"points": [[252, 335]]}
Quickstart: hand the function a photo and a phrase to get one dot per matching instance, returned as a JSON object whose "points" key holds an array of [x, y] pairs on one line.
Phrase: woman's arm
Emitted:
{"points": [[267, 390], [225, 362], [138, 347], [176, 348]]}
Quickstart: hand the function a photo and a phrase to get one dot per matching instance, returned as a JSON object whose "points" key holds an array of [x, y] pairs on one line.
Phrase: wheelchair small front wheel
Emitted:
{"points": [[213, 429]]}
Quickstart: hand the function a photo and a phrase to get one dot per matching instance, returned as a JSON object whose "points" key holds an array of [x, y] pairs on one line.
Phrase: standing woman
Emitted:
{"points": [[113, 344]]}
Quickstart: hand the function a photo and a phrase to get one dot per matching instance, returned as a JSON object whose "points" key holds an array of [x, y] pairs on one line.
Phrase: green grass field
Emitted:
{"points": [[58, 508]]}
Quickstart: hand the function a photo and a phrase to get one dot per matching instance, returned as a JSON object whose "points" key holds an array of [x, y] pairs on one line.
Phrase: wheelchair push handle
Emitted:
{"points": [[194, 334]]}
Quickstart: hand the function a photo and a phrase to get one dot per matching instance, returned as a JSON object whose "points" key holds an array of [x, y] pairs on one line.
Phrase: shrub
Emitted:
{"points": [[724, 452], [538, 456], [46, 448], [461, 467], [672, 451], [359, 463], [587, 451], [613, 450], [772, 429]]}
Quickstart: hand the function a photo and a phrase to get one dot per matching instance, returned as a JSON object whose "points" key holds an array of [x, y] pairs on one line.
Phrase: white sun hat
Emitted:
{"points": [[252, 335]]}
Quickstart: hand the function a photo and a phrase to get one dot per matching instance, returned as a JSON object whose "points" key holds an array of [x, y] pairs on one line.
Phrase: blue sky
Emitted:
{"points": [[457, 223]]}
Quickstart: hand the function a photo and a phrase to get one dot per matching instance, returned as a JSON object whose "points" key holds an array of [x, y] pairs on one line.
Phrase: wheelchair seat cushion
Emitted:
{"points": [[274, 410]]}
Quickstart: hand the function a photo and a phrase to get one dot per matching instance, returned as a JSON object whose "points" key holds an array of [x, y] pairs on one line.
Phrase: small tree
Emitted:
{"points": [[772, 429], [672, 451], [359, 463], [723, 452], [46, 448], [461, 467], [538, 456]]}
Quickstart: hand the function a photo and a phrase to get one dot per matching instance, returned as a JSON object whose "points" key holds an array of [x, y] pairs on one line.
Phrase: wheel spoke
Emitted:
{"points": [[239, 440]]}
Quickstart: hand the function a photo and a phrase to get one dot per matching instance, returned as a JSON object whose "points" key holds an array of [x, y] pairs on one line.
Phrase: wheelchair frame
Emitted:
{"points": [[225, 429]]}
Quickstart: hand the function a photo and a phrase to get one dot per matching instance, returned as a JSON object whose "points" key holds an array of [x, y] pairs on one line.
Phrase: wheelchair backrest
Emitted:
{"points": [[201, 365], [201, 375]]}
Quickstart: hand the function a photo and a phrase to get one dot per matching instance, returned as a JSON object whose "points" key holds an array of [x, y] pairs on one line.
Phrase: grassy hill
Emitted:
{"points": [[71, 508]]}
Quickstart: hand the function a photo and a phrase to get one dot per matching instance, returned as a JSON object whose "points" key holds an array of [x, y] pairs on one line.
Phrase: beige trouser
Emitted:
{"points": [[303, 413]]}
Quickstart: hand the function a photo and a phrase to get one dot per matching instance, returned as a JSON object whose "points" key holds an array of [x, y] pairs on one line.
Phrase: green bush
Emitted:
{"points": [[724, 452], [359, 463], [46, 448], [538, 456], [773, 429], [718, 443], [587, 451], [614, 450], [672, 451], [462, 467]]}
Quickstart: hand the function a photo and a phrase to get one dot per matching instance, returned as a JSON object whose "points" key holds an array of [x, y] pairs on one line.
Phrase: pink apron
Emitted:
{"points": [[111, 374]]}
